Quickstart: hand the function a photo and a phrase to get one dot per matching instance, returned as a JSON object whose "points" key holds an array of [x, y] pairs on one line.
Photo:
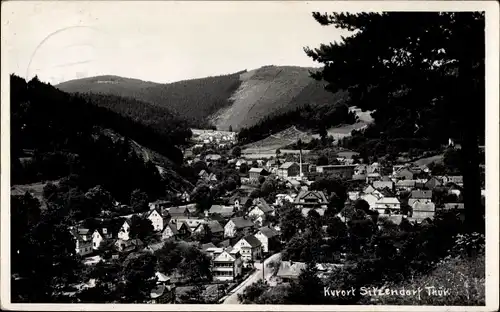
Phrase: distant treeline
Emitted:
{"points": [[307, 117]]}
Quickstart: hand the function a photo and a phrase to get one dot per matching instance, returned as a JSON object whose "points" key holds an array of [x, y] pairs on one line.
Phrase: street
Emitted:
{"points": [[232, 298]]}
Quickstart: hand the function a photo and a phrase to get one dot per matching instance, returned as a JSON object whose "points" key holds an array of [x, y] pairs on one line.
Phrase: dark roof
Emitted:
{"points": [[225, 243], [268, 232], [264, 206], [173, 227], [253, 241], [207, 245], [317, 194], [215, 226], [178, 210], [242, 222]]}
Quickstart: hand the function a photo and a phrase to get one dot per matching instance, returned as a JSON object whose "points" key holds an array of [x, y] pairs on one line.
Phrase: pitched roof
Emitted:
{"points": [[178, 210], [290, 269], [207, 246], [268, 232], [263, 205], [430, 207], [288, 164], [241, 222], [252, 240], [320, 211], [424, 194], [172, 227], [319, 195], [257, 170], [388, 200], [215, 226], [223, 210], [406, 183]]}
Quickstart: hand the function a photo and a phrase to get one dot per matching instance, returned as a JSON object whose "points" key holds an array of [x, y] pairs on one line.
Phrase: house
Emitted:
{"points": [[342, 171], [289, 170], [311, 199], [192, 224], [261, 209], [250, 249], [159, 204], [454, 189], [227, 266], [237, 225], [99, 236], [432, 183], [184, 230], [83, 241], [240, 162], [404, 174], [406, 185], [459, 180], [215, 228], [421, 211], [391, 203], [371, 199], [181, 212], [238, 201], [422, 196], [320, 211], [157, 220], [224, 211], [290, 271], [282, 198], [380, 185], [128, 245], [170, 231], [269, 238], [124, 232], [369, 189], [255, 173]]}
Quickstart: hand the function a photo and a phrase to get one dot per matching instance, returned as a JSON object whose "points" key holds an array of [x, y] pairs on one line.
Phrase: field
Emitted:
{"points": [[276, 141]]}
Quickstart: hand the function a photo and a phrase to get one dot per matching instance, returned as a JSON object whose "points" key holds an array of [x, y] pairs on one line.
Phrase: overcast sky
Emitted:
{"points": [[158, 41]]}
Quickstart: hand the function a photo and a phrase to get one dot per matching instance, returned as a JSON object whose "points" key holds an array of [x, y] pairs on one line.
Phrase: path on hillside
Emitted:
{"points": [[232, 298]]}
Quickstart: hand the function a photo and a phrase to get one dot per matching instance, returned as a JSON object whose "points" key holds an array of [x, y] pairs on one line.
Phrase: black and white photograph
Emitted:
{"points": [[260, 156]]}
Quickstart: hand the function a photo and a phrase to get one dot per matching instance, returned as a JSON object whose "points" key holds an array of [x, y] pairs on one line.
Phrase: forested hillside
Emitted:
{"points": [[56, 135], [193, 99]]}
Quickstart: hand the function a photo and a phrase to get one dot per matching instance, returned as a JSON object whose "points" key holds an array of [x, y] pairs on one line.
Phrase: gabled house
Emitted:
{"points": [[129, 245], [380, 185], [216, 230], [421, 196], [184, 230], [83, 240], [124, 232], [170, 231], [269, 238], [99, 236], [404, 174], [288, 170], [192, 224], [261, 209], [152, 248], [179, 213], [387, 203], [311, 199], [432, 183], [224, 211], [422, 211], [237, 225], [250, 249], [371, 199], [157, 220], [255, 173], [227, 266]]}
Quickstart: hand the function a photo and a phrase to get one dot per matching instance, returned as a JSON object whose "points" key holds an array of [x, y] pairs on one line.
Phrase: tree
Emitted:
{"points": [[236, 152], [308, 289], [98, 200], [230, 128], [139, 201], [202, 196], [138, 273], [361, 204], [141, 228], [253, 292], [195, 266], [322, 161], [292, 221], [262, 179], [421, 66]]}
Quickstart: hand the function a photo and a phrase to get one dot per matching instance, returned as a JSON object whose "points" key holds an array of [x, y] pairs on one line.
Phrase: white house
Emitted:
{"points": [[156, 219], [226, 266], [236, 225], [98, 236], [124, 233], [83, 241], [169, 231], [391, 203], [249, 247], [267, 236], [371, 199]]}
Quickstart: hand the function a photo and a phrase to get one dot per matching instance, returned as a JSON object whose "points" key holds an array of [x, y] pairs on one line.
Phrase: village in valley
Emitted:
{"points": [[355, 170], [241, 231]]}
